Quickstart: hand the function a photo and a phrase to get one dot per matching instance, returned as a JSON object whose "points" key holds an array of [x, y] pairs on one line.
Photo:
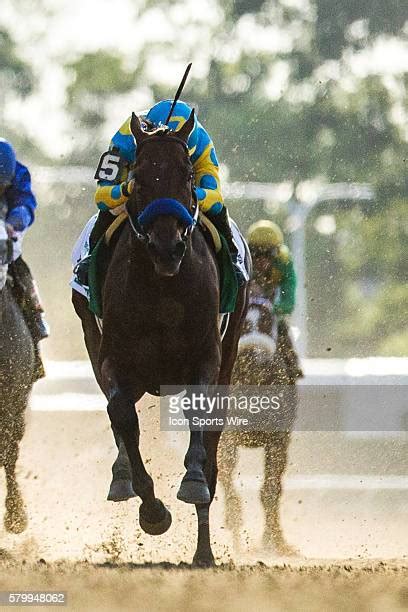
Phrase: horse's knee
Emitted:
{"points": [[121, 411]]}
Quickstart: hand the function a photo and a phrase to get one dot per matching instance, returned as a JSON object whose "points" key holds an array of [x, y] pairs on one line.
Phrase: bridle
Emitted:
{"points": [[169, 205]]}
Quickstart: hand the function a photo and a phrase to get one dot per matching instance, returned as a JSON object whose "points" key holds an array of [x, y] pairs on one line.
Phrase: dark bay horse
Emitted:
{"points": [[261, 361], [16, 381], [160, 321]]}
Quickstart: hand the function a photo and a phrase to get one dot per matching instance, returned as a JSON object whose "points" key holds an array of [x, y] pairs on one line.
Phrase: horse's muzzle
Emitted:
{"points": [[167, 261]]}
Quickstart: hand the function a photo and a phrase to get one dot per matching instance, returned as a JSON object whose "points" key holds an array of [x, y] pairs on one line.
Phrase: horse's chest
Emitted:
{"points": [[166, 315], [162, 333]]}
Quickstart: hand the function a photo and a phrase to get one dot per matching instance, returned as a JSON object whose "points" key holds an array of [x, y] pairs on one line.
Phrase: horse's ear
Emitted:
{"points": [[136, 129], [185, 131]]}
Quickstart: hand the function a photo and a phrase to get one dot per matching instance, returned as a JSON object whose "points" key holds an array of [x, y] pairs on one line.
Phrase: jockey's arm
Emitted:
{"points": [[113, 170], [20, 200], [206, 174], [286, 303]]}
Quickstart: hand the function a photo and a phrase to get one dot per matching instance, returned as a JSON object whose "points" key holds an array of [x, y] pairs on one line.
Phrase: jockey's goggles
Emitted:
{"points": [[270, 252]]}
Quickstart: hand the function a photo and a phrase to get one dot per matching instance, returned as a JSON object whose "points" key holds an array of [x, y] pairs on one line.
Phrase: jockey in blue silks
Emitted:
{"points": [[114, 186], [15, 190]]}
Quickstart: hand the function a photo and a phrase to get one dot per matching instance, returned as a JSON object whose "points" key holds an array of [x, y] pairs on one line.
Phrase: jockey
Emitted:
{"points": [[112, 193], [15, 189], [273, 269]]}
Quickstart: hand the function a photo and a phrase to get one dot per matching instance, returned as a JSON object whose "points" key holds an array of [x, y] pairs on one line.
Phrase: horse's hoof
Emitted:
{"points": [[158, 527], [204, 561], [121, 490], [194, 492]]}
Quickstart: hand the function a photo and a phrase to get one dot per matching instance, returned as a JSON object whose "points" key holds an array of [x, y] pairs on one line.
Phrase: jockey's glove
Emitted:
{"points": [[127, 187], [19, 218]]}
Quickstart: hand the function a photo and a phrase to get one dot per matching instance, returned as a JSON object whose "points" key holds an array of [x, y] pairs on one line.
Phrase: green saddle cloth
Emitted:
{"points": [[228, 279], [99, 263], [98, 268]]}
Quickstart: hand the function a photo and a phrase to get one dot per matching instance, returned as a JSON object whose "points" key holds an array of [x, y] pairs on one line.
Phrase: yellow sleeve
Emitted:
{"points": [[109, 194], [207, 181]]}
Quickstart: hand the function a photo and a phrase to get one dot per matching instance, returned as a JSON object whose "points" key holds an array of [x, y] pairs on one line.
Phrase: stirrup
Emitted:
{"points": [[241, 280], [42, 327], [81, 271]]}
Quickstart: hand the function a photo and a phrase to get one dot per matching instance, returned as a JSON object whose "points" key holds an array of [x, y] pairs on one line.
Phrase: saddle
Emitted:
{"points": [[102, 253], [228, 277]]}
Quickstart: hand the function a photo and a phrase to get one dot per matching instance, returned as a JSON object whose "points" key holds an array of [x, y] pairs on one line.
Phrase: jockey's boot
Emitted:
{"points": [[102, 223], [222, 224], [27, 296], [29, 299]]}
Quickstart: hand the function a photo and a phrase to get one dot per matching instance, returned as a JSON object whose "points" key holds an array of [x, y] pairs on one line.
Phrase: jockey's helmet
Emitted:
{"points": [[181, 112], [265, 234], [7, 162]]}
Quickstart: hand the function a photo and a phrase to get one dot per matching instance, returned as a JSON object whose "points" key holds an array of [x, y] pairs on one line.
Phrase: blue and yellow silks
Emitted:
{"points": [[110, 194]]}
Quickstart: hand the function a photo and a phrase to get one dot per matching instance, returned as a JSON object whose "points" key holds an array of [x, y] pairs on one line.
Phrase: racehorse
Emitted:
{"points": [[261, 361], [16, 381], [160, 320]]}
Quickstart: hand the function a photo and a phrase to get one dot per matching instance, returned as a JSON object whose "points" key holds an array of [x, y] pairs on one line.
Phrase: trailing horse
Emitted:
{"points": [[161, 301], [16, 381], [261, 362]]}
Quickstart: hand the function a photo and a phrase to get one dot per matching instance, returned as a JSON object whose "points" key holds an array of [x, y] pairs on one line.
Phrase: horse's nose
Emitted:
{"points": [[175, 252]]}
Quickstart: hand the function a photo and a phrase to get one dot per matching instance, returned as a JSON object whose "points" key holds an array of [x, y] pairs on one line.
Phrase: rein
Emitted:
{"points": [[163, 206]]}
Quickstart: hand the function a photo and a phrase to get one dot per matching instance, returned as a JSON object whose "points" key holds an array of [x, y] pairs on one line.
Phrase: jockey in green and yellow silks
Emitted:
{"points": [[274, 274], [273, 264]]}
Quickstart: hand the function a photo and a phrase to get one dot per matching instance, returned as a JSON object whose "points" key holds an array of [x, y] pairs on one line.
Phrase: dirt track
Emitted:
{"points": [[375, 587], [108, 563]]}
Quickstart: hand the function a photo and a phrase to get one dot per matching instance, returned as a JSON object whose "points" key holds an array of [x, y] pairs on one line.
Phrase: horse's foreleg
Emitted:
{"points": [[154, 518], [204, 556], [121, 488], [194, 488], [15, 519], [275, 465]]}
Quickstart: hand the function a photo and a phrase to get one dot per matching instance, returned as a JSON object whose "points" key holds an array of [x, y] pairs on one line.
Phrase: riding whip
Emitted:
{"points": [[178, 93]]}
